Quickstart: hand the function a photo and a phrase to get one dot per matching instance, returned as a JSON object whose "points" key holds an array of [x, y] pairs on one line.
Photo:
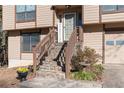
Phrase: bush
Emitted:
{"points": [[83, 75], [88, 56], [94, 72], [97, 69]]}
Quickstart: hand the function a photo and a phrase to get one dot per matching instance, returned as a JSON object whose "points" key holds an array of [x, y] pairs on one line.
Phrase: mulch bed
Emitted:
{"points": [[8, 78]]}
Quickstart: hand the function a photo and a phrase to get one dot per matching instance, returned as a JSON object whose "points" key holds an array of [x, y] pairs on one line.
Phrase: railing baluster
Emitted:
{"points": [[34, 61]]}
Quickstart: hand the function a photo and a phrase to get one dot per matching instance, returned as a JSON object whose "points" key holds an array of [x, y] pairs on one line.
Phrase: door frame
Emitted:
{"points": [[66, 13]]}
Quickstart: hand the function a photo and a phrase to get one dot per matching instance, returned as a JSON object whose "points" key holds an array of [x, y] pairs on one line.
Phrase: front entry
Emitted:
{"points": [[69, 24]]}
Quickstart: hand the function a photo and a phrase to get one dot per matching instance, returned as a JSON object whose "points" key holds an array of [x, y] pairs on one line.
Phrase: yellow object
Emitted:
{"points": [[22, 70]]}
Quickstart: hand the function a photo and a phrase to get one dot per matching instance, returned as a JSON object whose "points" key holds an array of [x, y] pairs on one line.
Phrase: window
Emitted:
{"points": [[29, 40], [120, 7], [109, 7], [109, 42], [25, 13], [120, 42], [114, 8]]}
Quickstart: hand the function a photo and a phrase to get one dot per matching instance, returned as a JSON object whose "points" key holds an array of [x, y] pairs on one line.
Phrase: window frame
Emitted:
{"points": [[113, 11], [25, 20], [29, 34]]}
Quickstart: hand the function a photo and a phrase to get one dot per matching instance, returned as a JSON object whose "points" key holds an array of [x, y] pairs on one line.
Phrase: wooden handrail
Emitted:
{"points": [[76, 36], [42, 47]]}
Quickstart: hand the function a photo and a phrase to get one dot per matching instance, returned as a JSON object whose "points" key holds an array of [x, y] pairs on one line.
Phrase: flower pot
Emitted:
{"points": [[22, 75]]}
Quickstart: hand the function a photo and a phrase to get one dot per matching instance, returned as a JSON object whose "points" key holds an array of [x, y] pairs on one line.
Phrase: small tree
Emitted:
{"points": [[3, 47]]}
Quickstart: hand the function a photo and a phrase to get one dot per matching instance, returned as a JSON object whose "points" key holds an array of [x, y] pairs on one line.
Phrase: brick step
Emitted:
{"points": [[49, 62], [49, 68], [51, 74]]}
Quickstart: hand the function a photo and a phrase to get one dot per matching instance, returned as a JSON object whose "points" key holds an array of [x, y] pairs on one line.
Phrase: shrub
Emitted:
{"points": [[88, 56], [97, 69], [83, 75], [94, 72]]}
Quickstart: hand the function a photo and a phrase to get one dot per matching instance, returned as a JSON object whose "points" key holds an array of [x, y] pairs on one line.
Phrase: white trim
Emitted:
{"points": [[60, 32], [17, 63], [64, 22]]}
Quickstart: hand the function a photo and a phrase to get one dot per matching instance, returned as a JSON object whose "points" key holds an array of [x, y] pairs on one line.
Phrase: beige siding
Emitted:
{"points": [[44, 16], [113, 17], [93, 38], [27, 56], [15, 57], [56, 20], [91, 14], [8, 15], [114, 53], [25, 25], [14, 45]]}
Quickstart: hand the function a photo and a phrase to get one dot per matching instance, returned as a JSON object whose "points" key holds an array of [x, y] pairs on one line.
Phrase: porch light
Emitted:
{"points": [[68, 6]]}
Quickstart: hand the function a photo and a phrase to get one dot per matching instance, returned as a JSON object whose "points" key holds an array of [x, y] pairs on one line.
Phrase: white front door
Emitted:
{"points": [[69, 24]]}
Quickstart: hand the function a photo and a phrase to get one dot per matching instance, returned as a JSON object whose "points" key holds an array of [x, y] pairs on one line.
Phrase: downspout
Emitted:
{"points": [[53, 27], [103, 35], [103, 43], [53, 8]]}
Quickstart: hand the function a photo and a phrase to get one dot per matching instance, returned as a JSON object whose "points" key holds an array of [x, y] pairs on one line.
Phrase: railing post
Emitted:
{"points": [[53, 34], [67, 64], [34, 61], [81, 34]]}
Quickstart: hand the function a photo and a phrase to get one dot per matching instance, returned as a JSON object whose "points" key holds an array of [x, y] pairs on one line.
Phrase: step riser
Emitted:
{"points": [[49, 65]]}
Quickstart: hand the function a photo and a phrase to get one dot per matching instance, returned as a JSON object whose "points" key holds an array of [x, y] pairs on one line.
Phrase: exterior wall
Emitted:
{"points": [[13, 48], [25, 25], [14, 45], [8, 12], [91, 14], [44, 16], [15, 56], [114, 53], [56, 19], [93, 37], [115, 17]]}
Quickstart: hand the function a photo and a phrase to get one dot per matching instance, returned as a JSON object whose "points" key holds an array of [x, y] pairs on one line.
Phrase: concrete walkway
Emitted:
{"points": [[113, 76], [59, 83]]}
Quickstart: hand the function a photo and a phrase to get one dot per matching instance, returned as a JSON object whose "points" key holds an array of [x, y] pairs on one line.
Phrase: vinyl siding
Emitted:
{"points": [[113, 17], [15, 56], [8, 15], [114, 53], [44, 16], [25, 25], [93, 38], [91, 14], [14, 45]]}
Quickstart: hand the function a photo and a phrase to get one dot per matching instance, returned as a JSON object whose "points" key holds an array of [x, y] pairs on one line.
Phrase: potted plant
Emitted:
{"points": [[22, 73]]}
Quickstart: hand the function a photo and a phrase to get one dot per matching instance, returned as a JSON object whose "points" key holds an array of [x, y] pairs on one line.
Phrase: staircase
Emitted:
{"points": [[50, 67]]}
